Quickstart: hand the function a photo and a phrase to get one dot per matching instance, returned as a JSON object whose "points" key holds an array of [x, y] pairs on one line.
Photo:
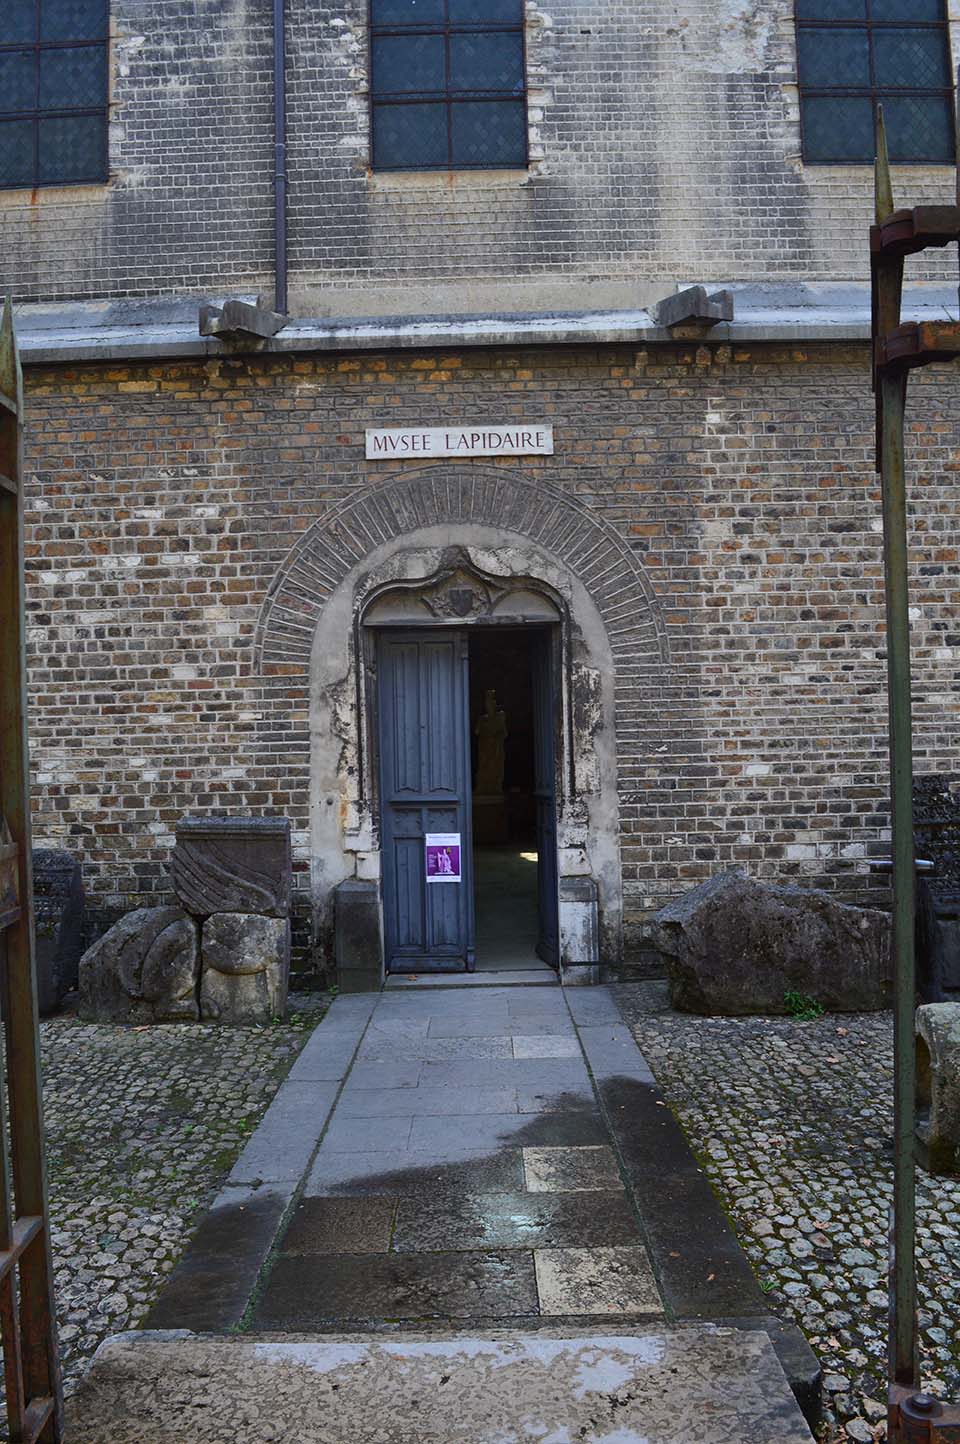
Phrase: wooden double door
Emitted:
{"points": [[424, 735]]}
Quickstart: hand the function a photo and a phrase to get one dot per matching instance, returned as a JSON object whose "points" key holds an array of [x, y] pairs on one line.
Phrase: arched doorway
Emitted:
{"points": [[512, 527], [465, 703]]}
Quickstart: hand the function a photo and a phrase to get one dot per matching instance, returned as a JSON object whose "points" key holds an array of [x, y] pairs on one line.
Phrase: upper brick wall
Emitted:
{"points": [[664, 142]]}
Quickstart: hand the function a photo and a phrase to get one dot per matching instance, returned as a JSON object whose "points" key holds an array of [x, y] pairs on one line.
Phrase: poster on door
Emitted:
{"points": [[443, 857]]}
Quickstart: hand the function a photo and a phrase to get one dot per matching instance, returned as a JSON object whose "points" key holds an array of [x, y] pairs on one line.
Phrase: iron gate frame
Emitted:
{"points": [[28, 1328], [913, 1417]]}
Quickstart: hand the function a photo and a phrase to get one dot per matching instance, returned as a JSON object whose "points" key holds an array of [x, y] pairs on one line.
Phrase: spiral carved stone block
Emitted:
{"points": [[233, 865]]}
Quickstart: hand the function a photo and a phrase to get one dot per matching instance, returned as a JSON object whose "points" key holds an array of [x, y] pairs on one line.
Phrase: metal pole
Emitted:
{"points": [[280, 157], [904, 1364]]}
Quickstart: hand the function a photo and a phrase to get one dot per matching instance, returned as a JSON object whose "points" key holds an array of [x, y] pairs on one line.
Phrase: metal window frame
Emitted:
{"points": [[874, 93], [449, 97], [40, 47]]}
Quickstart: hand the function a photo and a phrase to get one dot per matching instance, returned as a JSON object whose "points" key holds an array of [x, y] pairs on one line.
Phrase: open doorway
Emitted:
{"points": [[466, 723], [511, 766]]}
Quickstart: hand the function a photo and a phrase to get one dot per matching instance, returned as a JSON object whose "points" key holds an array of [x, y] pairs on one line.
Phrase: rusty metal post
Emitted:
{"points": [[891, 391], [913, 1417], [904, 1365]]}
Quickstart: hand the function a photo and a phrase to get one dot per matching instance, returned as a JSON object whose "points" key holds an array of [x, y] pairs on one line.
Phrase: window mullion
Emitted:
{"points": [[36, 93], [446, 85]]}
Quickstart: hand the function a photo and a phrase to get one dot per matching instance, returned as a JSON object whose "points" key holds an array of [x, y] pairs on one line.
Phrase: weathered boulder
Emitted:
{"points": [[244, 968], [58, 905], [938, 1087], [233, 865], [737, 946], [144, 970]]}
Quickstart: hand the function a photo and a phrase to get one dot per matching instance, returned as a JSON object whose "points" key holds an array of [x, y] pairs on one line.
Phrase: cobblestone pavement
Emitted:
{"points": [[142, 1125], [793, 1122]]}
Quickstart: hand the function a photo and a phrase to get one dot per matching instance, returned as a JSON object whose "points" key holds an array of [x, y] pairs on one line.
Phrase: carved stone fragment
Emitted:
{"points": [[737, 946], [58, 905], [144, 970], [233, 865], [245, 964], [938, 1087]]}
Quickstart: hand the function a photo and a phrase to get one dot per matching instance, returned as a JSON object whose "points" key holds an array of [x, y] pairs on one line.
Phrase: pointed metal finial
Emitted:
{"points": [[882, 186], [11, 381]]}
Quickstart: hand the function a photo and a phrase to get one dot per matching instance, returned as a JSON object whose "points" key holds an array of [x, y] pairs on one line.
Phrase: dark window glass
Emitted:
{"points": [[407, 12], [53, 91], [409, 64], [400, 131], [16, 150], [907, 10], [486, 12], [837, 56], [921, 126], [854, 54], [73, 20], [493, 61], [18, 76], [916, 59], [447, 84], [76, 78], [831, 9], [486, 132], [19, 21]]}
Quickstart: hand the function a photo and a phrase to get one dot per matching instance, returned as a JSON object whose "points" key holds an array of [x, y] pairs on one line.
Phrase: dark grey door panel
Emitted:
{"points": [[424, 788]]}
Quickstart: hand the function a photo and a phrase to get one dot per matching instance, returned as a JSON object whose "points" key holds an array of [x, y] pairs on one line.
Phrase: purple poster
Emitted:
{"points": [[443, 856]]}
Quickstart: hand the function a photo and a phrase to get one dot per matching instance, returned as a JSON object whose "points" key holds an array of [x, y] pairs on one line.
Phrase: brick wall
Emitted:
{"points": [[664, 141], [164, 499]]}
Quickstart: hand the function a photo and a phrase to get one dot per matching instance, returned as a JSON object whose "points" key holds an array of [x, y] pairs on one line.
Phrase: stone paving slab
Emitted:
{"points": [[425, 1102], [652, 1386], [214, 1281], [517, 978], [555, 1073], [309, 1291], [596, 1281], [473, 1170], [341, 1226], [514, 1220]]}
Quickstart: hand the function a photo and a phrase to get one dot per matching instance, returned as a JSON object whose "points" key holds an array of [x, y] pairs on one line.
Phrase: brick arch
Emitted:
{"points": [[434, 495]]}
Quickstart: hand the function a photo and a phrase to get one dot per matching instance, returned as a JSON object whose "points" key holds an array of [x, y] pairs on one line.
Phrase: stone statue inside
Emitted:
{"points": [[491, 732]]}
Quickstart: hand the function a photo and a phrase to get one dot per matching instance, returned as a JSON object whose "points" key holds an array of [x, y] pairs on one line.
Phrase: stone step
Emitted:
{"points": [[682, 1385]]}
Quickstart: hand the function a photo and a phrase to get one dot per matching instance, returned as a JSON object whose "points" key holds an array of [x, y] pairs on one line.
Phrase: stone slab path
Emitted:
{"points": [[472, 1160], [466, 1172]]}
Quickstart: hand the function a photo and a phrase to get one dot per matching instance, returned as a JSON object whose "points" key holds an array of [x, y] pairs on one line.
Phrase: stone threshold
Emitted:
{"points": [[695, 1385]]}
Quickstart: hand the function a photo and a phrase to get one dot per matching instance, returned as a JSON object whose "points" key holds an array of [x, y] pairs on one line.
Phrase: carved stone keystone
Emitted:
{"points": [[736, 946], [233, 865], [245, 965], [144, 970]]}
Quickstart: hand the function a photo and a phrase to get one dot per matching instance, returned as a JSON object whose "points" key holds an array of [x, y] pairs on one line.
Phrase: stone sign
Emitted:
{"points": [[484, 439]]}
